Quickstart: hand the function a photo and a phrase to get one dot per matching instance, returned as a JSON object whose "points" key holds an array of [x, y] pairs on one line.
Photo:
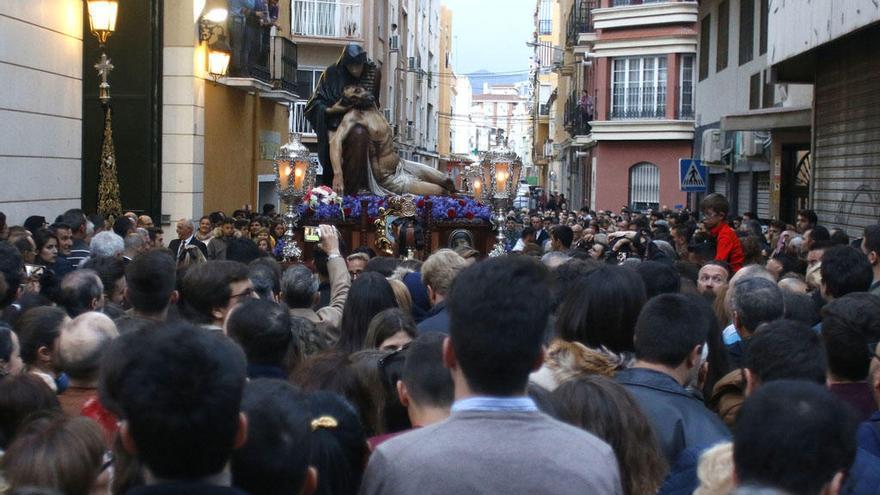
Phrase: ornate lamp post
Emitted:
{"points": [[219, 51], [294, 178], [501, 169], [102, 23]]}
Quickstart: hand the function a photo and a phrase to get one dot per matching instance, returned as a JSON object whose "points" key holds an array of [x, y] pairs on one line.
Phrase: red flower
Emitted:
{"points": [[451, 213], [346, 211], [469, 215], [461, 202], [420, 203]]}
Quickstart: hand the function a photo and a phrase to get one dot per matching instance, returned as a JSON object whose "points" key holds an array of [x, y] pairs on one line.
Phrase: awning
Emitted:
{"points": [[768, 118]]}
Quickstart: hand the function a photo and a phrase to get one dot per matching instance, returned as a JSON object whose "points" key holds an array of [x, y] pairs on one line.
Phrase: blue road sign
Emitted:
{"points": [[692, 175]]}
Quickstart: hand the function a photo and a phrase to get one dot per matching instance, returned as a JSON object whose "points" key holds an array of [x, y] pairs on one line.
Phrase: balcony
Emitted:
{"points": [[634, 13], [638, 102], [577, 115], [298, 122], [627, 3], [266, 65], [283, 64], [580, 20], [327, 19]]}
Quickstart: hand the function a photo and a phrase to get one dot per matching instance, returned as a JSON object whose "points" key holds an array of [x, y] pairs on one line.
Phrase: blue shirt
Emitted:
{"points": [[235, 6], [495, 404]]}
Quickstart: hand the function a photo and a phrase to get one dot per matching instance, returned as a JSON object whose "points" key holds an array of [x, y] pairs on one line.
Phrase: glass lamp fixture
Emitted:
{"points": [[102, 18], [294, 178], [219, 55], [501, 169]]}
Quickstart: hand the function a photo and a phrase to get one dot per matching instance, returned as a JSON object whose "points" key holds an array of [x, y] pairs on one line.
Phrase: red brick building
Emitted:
{"points": [[636, 60]]}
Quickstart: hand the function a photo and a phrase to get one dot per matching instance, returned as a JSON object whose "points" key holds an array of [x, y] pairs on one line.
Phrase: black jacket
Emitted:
{"points": [[680, 419], [174, 246]]}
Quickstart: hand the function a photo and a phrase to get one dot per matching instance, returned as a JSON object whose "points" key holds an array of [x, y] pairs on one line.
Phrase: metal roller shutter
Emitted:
{"points": [[644, 186], [846, 189], [719, 184], [762, 199]]}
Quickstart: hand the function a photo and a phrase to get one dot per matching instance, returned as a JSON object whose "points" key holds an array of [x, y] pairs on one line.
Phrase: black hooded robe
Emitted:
{"points": [[355, 152]]}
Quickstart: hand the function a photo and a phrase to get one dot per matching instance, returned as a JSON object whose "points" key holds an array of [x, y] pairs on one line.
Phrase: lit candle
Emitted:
{"points": [[478, 188], [298, 176], [501, 179], [284, 174]]}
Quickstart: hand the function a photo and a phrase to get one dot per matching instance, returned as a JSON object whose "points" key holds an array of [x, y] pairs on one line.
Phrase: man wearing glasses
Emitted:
{"points": [[210, 290]]}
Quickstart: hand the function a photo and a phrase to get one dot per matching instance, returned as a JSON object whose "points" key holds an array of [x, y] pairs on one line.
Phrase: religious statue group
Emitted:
{"points": [[356, 140]]}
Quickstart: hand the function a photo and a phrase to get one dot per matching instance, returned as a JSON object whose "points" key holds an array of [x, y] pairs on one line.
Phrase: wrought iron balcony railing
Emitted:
{"points": [[580, 20], [283, 62], [578, 113], [638, 102]]}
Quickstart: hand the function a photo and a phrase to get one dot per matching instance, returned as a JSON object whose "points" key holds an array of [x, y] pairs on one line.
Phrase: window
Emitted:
{"points": [[545, 17], [755, 91], [769, 92], [705, 26], [307, 81], [644, 186], [723, 35], [746, 31], [686, 95], [765, 14], [638, 89]]}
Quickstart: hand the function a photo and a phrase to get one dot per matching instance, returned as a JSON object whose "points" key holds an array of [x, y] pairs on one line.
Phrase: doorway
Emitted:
{"points": [[797, 173]]}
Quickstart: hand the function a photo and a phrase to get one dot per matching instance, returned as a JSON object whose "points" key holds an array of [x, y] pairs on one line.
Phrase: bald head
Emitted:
{"points": [[81, 344]]}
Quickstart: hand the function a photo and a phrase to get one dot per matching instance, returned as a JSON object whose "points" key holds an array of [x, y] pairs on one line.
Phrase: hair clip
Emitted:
{"points": [[326, 422]]}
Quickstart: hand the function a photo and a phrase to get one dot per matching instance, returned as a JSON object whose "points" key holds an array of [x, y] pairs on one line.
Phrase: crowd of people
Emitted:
{"points": [[626, 353]]}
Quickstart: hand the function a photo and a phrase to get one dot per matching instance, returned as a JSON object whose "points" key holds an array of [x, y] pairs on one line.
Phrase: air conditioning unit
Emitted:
{"points": [[412, 63], [386, 112], [394, 43], [558, 57], [712, 145], [750, 144]]}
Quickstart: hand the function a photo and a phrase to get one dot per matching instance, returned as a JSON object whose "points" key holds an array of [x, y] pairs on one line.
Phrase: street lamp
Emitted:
{"points": [[502, 169], [294, 178], [102, 23], [102, 18], [219, 51]]}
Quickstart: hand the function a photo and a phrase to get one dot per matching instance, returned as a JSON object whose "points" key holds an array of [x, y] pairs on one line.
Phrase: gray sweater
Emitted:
{"points": [[476, 452]]}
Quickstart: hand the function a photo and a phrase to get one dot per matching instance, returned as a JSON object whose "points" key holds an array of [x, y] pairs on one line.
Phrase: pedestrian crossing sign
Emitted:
{"points": [[692, 175]]}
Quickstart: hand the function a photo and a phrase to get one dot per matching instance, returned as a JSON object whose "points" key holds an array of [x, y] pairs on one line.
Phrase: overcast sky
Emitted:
{"points": [[491, 34]]}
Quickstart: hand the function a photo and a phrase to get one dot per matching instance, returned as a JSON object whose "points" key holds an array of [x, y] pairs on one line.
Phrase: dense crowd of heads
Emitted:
{"points": [[624, 353]]}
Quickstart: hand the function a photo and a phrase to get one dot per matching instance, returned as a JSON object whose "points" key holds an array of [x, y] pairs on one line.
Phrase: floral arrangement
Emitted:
{"points": [[443, 208], [322, 195]]}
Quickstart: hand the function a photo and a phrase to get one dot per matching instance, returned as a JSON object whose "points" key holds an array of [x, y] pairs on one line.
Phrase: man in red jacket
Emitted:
{"points": [[714, 208]]}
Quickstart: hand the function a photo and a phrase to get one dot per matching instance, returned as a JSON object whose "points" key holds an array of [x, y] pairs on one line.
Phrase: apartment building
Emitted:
{"points": [[752, 131], [401, 36], [447, 83], [627, 83], [544, 81]]}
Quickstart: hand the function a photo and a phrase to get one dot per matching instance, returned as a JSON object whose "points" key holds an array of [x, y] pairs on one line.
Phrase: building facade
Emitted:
{"points": [[756, 137], [839, 59], [188, 143], [447, 82], [627, 83], [41, 110]]}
